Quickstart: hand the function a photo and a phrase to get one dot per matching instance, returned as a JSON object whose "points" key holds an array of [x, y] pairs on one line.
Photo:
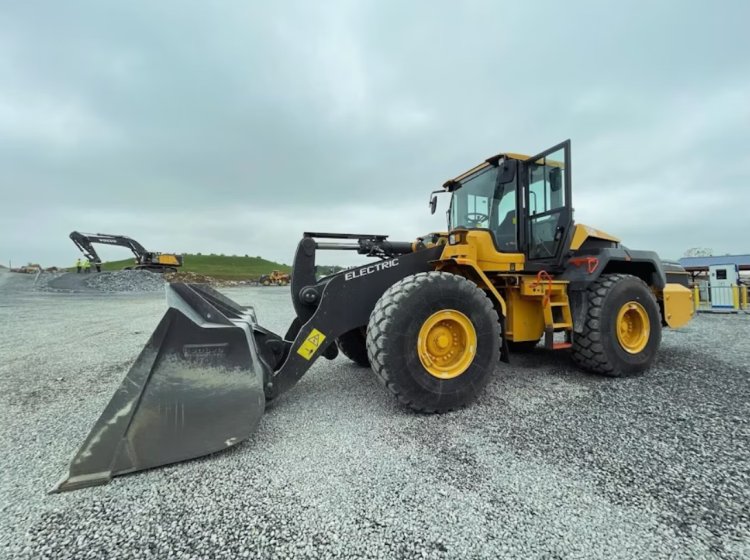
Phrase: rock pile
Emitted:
{"points": [[189, 278], [125, 281], [195, 278]]}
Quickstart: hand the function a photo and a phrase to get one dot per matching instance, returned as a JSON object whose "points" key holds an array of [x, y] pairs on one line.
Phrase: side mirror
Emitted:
{"points": [[433, 204], [555, 179], [507, 172]]}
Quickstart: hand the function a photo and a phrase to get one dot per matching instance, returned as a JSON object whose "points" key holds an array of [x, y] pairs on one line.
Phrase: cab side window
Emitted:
{"points": [[505, 218], [546, 204], [546, 188]]}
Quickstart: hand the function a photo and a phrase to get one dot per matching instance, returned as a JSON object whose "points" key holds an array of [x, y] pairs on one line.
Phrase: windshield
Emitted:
{"points": [[481, 203]]}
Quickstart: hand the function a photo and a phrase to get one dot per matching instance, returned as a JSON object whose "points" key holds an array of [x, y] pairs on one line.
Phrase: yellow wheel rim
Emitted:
{"points": [[633, 327], [447, 344]]}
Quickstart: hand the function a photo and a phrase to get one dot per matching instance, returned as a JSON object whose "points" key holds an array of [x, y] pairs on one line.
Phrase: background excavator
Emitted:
{"points": [[144, 260], [431, 317]]}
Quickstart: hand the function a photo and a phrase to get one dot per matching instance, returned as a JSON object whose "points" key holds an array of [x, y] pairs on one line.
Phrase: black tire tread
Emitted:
{"points": [[588, 351], [378, 343]]}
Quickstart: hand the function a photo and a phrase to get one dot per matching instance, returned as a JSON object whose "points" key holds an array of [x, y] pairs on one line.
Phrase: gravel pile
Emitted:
{"points": [[550, 463], [126, 281], [122, 281], [43, 279], [193, 277]]}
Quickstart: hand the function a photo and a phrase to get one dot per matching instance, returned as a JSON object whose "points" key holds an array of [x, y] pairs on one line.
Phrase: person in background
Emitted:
{"points": [[86, 266], [78, 265]]}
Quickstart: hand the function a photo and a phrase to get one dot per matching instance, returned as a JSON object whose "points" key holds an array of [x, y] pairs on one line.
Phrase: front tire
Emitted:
{"points": [[622, 330], [433, 340]]}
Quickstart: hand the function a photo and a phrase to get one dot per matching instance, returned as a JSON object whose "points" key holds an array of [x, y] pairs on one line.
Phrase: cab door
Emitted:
{"points": [[547, 212]]}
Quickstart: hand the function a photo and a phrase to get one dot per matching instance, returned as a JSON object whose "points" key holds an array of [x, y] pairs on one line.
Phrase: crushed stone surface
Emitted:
{"points": [[126, 281], [120, 281], [549, 463]]}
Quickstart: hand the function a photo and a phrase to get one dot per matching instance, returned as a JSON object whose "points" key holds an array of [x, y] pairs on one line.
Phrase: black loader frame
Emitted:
{"points": [[332, 306]]}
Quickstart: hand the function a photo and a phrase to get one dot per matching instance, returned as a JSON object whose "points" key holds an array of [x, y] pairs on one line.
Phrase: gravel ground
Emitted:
{"points": [[108, 282], [550, 463]]}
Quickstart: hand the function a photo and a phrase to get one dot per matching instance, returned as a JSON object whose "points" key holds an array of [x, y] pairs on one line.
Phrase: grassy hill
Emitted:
{"points": [[218, 266]]}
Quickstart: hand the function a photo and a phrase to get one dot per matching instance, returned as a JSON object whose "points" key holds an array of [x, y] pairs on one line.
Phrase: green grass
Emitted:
{"points": [[223, 267], [218, 266]]}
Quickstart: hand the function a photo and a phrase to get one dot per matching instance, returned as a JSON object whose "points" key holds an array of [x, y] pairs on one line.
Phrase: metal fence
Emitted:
{"points": [[720, 298]]}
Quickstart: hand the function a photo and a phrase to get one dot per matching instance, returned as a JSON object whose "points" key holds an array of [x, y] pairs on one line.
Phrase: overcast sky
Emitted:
{"points": [[232, 127]]}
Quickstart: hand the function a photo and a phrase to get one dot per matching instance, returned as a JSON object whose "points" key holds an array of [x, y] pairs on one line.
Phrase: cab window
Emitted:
{"points": [[546, 188]]}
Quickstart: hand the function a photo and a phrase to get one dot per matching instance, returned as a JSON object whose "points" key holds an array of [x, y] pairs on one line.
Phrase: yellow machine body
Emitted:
{"points": [[168, 259], [678, 304], [529, 304]]}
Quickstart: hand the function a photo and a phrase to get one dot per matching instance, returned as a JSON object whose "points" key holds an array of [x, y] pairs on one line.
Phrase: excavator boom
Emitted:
{"points": [[156, 262]]}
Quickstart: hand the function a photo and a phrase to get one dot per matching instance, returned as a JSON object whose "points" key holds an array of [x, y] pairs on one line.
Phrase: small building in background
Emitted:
{"points": [[698, 267], [718, 280]]}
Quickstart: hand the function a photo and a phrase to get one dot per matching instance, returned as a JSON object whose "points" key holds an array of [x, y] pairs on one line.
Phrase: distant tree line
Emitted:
{"points": [[699, 252]]}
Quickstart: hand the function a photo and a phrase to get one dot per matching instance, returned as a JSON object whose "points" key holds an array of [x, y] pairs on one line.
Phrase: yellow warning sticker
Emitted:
{"points": [[311, 344]]}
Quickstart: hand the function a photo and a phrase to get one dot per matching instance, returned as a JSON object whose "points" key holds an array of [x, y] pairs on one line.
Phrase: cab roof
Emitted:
{"points": [[486, 163], [489, 162]]}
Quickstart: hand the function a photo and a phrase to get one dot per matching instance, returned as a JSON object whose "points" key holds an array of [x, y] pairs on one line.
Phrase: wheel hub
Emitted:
{"points": [[447, 344], [633, 327]]}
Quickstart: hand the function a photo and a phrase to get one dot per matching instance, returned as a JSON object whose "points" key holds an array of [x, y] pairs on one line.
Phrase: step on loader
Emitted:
{"points": [[432, 318]]}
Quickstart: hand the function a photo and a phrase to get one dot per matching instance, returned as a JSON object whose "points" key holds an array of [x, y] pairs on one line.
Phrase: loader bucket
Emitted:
{"points": [[196, 388]]}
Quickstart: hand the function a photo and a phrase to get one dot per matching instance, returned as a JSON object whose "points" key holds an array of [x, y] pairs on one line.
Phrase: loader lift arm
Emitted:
{"points": [[319, 303], [307, 290]]}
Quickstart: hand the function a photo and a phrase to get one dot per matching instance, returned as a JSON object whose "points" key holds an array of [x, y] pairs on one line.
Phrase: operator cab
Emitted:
{"points": [[524, 202]]}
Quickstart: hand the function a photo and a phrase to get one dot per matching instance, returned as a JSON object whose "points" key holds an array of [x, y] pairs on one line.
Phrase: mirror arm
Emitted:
{"points": [[433, 200]]}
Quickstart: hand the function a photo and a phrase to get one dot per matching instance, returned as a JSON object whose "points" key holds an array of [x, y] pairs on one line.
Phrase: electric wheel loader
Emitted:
{"points": [[432, 317]]}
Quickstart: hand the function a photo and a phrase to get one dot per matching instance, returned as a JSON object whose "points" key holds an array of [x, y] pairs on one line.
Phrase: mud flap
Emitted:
{"points": [[196, 388]]}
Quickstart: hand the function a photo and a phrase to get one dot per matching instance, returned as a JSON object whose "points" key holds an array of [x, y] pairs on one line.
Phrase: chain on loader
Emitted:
{"points": [[432, 318]]}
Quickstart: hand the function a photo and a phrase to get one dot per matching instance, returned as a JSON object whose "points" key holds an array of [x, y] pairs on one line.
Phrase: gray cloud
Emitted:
{"points": [[234, 127]]}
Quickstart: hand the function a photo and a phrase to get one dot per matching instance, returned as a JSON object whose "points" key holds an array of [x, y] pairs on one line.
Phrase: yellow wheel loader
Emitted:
{"points": [[432, 317], [276, 278]]}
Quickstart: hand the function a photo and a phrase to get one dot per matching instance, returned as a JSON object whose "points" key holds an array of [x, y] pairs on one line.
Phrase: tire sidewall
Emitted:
{"points": [[627, 290], [403, 360]]}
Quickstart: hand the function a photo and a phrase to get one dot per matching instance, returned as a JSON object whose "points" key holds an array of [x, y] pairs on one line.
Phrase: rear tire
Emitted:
{"points": [[439, 319], [353, 345], [622, 330]]}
